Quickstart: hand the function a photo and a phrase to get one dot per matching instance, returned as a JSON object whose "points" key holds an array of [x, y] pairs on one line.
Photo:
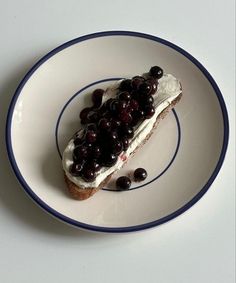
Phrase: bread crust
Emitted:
{"points": [[81, 194]]}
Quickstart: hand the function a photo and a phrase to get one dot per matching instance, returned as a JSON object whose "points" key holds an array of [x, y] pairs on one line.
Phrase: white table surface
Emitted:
{"points": [[196, 247]]}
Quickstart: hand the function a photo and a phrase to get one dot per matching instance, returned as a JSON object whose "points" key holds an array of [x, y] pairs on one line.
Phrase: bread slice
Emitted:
{"points": [[84, 193]]}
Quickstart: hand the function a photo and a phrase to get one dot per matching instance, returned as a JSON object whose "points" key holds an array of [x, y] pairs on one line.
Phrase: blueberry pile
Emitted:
{"points": [[109, 127]]}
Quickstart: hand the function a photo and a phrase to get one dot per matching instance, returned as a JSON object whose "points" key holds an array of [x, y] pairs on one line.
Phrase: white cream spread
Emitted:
{"points": [[168, 89]]}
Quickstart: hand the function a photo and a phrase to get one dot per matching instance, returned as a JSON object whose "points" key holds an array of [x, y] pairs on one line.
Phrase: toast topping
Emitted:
{"points": [[119, 120]]}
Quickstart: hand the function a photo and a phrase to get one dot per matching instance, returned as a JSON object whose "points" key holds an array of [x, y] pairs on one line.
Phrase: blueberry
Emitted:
{"points": [[78, 141], [136, 82], [146, 100], [145, 88], [115, 123], [122, 105], [117, 147], [84, 115], [113, 136], [125, 95], [76, 168], [141, 113], [123, 183], [114, 106], [97, 97], [93, 116], [96, 151], [149, 111], [153, 84], [127, 131], [109, 159], [92, 165], [125, 117], [134, 105], [140, 174], [91, 136], [80, 152], [135, 94], [107, 104], [88, 174], [108, 115], [156, 72], [137, 117], [104, 124], [125, 143], [89, 147], [126, 85], [92, 127]]}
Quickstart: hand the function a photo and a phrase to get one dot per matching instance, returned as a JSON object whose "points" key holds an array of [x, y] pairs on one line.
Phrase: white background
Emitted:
{"points": [[198, 246]]}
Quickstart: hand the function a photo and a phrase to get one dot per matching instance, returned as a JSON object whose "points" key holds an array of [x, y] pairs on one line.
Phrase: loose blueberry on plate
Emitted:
{"points": [[140, 174], [123, 183]]}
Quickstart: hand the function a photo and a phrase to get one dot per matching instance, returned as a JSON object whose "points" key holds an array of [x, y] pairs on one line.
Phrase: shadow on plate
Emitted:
{"points": [[12, 197]]}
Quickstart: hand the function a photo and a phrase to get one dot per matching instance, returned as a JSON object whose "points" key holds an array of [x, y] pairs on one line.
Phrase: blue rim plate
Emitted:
{"points": [[130, 228]]}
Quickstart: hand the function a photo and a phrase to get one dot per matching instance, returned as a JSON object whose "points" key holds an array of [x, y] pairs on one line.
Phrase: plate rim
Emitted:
{"points": [[134, 228]]}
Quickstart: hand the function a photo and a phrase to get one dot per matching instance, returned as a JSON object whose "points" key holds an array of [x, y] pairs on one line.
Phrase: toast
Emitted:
{"points": [[84, 177]]}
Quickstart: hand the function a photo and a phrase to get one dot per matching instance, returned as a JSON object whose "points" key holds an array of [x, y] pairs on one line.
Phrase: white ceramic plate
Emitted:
{"points": [[182, 158]]}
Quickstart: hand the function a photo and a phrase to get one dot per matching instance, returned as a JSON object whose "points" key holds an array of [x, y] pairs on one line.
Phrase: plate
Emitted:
{"points": [[182, 158]]}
